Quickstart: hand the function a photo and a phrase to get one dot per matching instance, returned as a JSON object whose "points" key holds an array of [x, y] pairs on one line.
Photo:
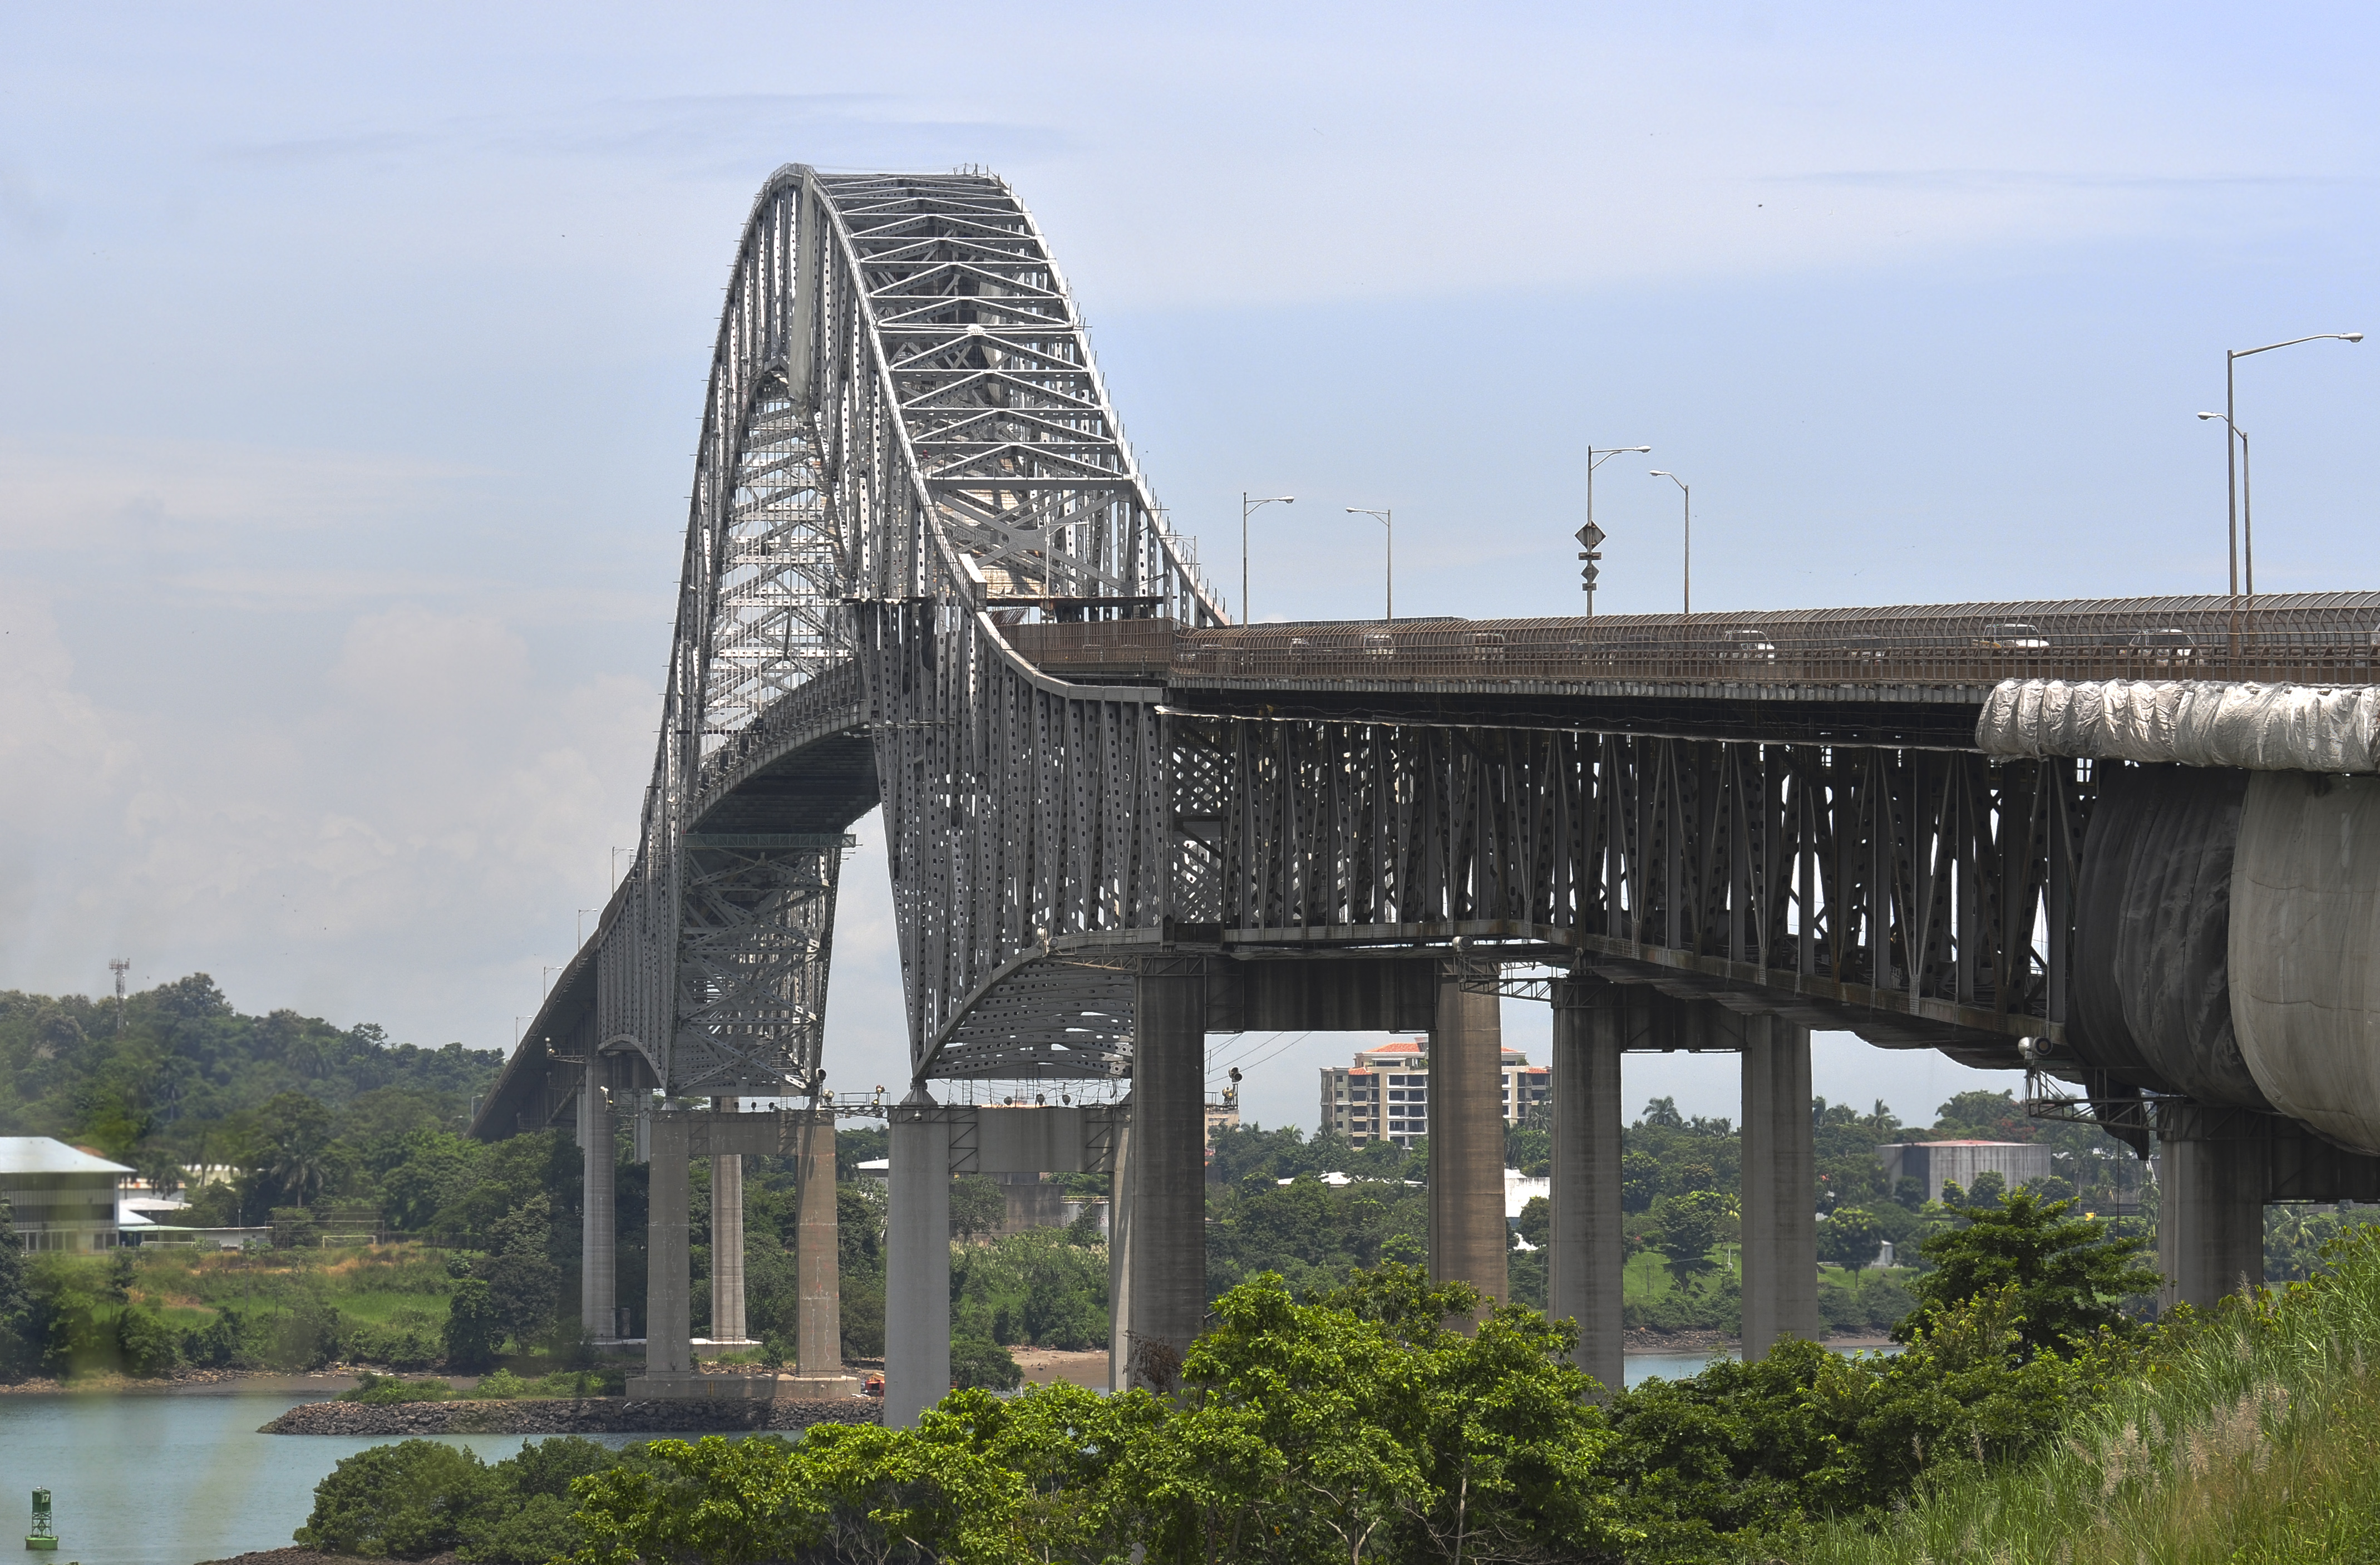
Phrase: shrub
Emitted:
{"points": [[473, 1328], [398, 1344], [378, 1390], [145, 1345], [977, 1362], [408, 1501]]}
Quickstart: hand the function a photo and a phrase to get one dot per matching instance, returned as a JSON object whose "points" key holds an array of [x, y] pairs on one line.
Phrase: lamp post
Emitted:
{"points": [[1596, 458], [2247, 509], [1383, 518], [1248, 508], [2232, 357], [1686, 490]]}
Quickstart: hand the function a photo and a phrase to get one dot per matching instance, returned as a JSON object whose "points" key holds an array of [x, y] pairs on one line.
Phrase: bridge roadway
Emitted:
{"points": [[923, 570]]}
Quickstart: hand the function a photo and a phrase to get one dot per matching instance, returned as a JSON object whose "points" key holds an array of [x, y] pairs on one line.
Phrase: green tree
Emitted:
{"points": [[473, 1328], [523, 1281], [2069, 1275], [977, 1208], [1850, 1237], [1536, 1221], [19, 1334], [1991, 1187], [1687, 1227], [405, 1501]]}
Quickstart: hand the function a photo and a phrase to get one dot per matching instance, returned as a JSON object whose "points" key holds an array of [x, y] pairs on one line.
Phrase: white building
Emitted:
{"points": [[1936, 1163], [62, 1198], [1385, 1094]]}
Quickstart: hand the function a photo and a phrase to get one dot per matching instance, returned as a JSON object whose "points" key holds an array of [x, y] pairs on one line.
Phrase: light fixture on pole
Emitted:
{"points": [[2247, 507], [2230, 408], [1590, 535], [1384, 518], [1247, 508], [1684, 488]]}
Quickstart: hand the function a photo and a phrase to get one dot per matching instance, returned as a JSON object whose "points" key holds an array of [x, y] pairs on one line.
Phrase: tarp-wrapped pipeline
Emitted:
{"points": [[2151, 1000], [2193, 722], [2305, 950]]}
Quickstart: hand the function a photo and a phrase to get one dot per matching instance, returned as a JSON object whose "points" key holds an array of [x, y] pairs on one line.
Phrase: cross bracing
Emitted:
{"points": [[923, 569]]}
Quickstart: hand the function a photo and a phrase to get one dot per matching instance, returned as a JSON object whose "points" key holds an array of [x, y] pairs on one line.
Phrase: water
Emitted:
{"points": [[173, 1477], [1680, 1366]]}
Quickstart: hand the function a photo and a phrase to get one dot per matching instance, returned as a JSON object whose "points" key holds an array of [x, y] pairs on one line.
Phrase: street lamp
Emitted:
{"points": [[1590, 534], [2231, 466], [1383, 518], [2247, 507], [1684, 488], [1248, 508]]}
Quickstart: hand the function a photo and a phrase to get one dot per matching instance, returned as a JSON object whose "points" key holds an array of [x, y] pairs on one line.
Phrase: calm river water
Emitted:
{"points": [[174, 1477]]}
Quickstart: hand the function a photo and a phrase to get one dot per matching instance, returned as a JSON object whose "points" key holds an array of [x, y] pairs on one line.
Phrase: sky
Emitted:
{"points": [[353, 362]]}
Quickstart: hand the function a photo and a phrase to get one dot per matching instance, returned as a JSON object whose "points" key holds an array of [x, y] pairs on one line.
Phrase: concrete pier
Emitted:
{"points": [[1168, 1266], [917, 1263], [2211, 1191], [1468, 1233], [1780, 1229], [599, 1236], [1120, 1232], [669, 1337], [726, 1242], [1586, 1252], [818, 1348]]}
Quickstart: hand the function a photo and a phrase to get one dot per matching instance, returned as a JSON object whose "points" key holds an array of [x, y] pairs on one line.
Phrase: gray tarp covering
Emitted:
{"points": [[2151, 1000], [2195, 721], [2305, 950]]}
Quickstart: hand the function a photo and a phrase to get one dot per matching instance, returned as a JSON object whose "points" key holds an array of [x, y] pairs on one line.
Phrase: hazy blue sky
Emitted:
{"points": [[353, 361]]}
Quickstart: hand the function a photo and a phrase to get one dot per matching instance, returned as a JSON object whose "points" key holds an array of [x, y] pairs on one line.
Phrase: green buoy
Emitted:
{"points": [[44, 1533]]}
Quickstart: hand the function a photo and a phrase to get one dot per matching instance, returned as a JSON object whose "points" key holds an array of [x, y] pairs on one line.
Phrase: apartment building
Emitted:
{"points": [[1384, 1095]]}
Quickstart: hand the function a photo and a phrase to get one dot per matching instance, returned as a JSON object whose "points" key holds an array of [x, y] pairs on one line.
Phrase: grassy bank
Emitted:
{"points": [[2255, 1436]]}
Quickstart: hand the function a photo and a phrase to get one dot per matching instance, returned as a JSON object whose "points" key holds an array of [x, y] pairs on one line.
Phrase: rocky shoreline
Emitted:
{"points": [[591, 1415]]}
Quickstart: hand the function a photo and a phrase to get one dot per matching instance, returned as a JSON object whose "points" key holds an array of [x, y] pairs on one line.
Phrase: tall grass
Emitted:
{"points": [[2255, 1438]]}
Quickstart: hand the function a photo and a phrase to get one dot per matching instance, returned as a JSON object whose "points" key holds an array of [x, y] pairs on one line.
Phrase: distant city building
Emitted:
{"points": [[1384, 1096], [1936, 1163], [61, 1198]]}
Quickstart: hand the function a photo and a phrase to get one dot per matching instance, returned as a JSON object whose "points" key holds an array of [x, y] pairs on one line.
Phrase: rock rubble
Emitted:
{"points": [[591, 1415]]}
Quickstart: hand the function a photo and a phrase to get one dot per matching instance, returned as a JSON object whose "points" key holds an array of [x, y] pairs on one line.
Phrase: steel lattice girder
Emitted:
{"points": [[905, 428]]}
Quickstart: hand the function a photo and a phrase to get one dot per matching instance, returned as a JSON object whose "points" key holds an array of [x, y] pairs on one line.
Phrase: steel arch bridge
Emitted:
{"points": [[923, 569]]}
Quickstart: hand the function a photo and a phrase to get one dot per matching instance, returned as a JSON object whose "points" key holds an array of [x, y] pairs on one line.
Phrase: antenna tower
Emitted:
{"points": [[119, 965]]}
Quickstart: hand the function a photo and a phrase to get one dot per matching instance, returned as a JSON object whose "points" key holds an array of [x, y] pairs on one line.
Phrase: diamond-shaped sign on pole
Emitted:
{"points": [[1590, 535], [1587, 574]]}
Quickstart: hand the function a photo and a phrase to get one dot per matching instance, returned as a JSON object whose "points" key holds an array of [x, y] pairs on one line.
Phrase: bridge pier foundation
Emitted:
{"points": [[1780, 1227], [2211, 1212], [599, 1236], [818, 1333], [726, 1241], [1586, 1251], [1120, 1228], [917, 1263], [1468, 1237], [669, 1336], [1168, 1264]]}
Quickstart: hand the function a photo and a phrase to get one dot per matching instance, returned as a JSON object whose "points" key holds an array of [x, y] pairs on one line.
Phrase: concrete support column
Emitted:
{"points": [[2211, 1169], [726, 1241], [668, 1336], [598, 1262], [818, 1346], [1780, 1181], [1586, 1253], [1168, 1280], [1120, 1232], [917, 1263], [1467, 1234]]}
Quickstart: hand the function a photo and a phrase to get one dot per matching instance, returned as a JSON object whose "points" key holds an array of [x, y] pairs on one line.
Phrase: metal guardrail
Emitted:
{"points": [[2326, 638]]}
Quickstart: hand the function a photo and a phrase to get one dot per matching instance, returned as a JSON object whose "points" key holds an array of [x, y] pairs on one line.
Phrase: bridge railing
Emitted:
{"points": [[2307, 638]]}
